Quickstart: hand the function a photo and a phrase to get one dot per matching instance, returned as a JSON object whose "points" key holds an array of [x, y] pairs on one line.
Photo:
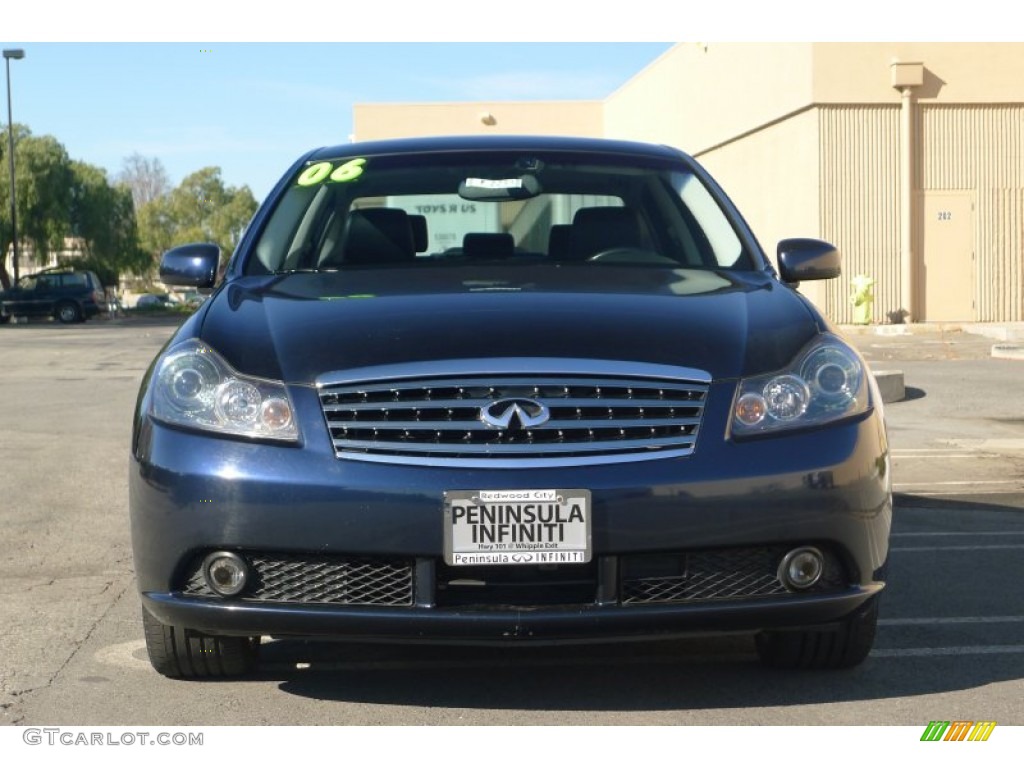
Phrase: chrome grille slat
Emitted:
{"points": [[620, 423], [554, 424], [575, 402], [518, 381], [596, 446], [437, 421]]}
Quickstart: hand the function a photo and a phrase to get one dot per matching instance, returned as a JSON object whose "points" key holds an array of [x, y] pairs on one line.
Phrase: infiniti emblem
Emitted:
{"points": [[502, 414]]}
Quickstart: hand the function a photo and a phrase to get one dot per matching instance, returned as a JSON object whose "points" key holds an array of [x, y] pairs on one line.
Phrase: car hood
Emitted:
{"points": [[295, 327]]}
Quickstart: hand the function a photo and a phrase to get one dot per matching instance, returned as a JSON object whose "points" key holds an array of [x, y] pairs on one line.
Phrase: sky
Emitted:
{"points": [[253, 108], [202, 91]]}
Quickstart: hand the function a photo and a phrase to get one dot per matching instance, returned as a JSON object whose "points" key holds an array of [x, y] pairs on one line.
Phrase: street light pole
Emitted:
{"points": [[12, 53]]}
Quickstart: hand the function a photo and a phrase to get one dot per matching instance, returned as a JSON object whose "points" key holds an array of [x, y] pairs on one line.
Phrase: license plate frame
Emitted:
{"points": [[518, 527]]}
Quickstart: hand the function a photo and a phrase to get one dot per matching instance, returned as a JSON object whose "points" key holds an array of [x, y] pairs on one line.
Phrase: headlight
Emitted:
{"points": [[826, 382], [195, 387]]}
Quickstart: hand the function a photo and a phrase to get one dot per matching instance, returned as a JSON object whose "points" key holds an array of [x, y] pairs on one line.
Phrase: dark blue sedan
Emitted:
{"points": [[505, 390]]}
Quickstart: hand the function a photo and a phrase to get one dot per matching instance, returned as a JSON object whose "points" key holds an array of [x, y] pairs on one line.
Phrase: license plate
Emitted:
{"points": [[530, 527]]}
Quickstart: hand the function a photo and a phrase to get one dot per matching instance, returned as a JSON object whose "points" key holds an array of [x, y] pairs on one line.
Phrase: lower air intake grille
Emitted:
{"points": [[724, 574], [339, 580]]}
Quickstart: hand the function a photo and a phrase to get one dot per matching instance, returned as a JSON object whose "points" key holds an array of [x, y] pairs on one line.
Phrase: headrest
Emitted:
{"points": [[599, 229], [420, 240], [378, 236], [488, 245], [558, 241]]}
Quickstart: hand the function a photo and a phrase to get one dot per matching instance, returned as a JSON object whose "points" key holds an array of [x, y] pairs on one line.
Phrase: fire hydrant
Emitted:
{"points": [[862, 298]]}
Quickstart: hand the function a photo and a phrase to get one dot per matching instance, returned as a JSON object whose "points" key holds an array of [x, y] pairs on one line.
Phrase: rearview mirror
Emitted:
{"points": [[497, 190]]}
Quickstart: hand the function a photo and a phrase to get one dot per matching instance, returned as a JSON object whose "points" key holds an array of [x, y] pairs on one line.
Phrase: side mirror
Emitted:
{"points": [[192, 265], [802, 258]]}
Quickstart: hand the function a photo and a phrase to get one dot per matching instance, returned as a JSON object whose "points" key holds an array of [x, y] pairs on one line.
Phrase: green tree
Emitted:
{"points": [[200, 209], [103, 216], [156, 228], [42, 190]]}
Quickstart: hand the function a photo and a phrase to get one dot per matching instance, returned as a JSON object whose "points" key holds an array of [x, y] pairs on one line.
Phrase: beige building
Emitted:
{"points": [[908, 156]]}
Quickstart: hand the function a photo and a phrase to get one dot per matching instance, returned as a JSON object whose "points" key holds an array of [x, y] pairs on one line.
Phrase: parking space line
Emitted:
{"points": [[899, 486], [971, 492], [947, 456], [485, 664], [951, 620], [957, 547], [467, 664], [959, 454], [959, 533], [960, 650]]}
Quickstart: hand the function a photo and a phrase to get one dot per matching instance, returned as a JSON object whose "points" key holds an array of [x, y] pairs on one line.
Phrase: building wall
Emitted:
{"points": [[859, 192], [772, 175], [833, 172], [955, 73], [980, 149], [697, 95], [555, 118], [743, 110]]}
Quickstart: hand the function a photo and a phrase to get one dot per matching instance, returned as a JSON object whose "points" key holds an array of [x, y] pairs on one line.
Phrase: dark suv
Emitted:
{"points": [[68, 295]]}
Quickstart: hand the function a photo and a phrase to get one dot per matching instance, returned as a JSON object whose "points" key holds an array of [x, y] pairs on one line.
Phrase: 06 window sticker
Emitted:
{"points": [[319, 173]]}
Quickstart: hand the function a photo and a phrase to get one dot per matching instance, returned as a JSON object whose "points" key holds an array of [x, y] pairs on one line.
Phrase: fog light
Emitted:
{"points": [[225, 573], [801, 568]]}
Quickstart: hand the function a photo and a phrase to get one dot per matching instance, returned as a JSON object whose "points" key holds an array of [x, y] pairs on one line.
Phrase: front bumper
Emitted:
{"points": [[191, 493], [548, 625]]}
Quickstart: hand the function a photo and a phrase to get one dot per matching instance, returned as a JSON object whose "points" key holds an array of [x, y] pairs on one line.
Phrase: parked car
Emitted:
{"points": [[67, 295], [193, 299], [476, 390], [155, 301]]}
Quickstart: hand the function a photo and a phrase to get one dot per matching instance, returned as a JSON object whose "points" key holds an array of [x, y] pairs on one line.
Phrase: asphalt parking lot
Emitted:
{"points": [[951, 642]]}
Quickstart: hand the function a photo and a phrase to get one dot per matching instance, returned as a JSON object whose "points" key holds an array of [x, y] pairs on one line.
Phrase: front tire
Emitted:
{"points": [[68, 312], [843, 648], [185, 653]]}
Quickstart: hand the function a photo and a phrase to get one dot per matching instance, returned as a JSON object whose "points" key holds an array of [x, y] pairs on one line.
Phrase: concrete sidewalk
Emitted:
{"points": [[938, 341], [888, 347], [996, 331]]}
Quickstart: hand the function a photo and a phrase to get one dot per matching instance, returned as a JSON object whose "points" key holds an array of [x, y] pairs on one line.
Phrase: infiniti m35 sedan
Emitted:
{"points": [[506, 390]]}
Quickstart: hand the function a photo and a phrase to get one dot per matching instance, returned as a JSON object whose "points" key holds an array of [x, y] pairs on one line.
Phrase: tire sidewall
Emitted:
{"points": [[68, 313]]}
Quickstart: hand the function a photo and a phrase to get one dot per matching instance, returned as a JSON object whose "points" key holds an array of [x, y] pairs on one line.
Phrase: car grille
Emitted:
{"points": [[439, 421], [723, 574], [285, 578]]}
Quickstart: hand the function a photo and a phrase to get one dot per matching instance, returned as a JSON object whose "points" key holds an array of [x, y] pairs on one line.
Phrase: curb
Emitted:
{"points": [[1008, 351], [1009, 331], [890, 385]]}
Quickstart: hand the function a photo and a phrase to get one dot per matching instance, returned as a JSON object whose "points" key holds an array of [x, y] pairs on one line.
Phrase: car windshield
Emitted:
{"points": [[439, 210]]}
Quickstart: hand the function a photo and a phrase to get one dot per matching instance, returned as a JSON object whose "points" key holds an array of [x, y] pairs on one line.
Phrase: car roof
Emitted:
{"points": [[431, 144]]}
